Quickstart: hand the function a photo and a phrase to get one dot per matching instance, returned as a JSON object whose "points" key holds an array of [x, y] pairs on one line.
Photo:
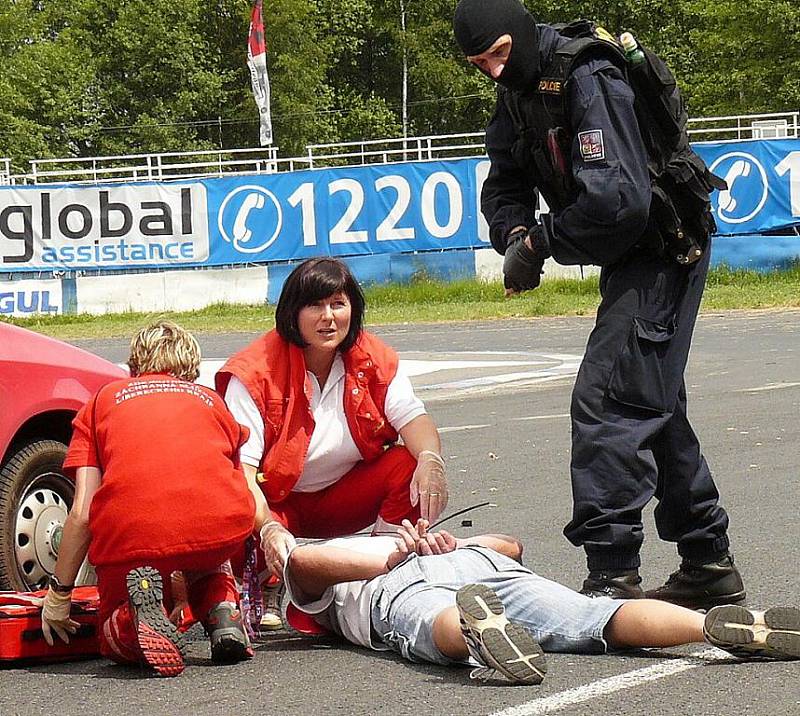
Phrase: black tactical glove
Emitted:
{"points": [[522, 267]]}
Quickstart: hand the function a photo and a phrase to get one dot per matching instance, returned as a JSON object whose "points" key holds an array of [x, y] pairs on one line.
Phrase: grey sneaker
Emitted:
{"points": [[774, 634], [500, 646], [272, 618], [227, 634]]}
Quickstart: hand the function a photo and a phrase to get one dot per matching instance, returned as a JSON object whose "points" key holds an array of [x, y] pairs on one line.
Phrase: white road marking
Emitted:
{"points": [[528, 378], [769, 386], [207, 370], [543, 417], [550, 366], [456, 428], [603, 687], [415, 367]]}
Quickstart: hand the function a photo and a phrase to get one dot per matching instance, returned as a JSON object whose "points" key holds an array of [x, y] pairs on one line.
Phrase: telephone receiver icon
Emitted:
{"points": [[727, 203], [253, 201]]}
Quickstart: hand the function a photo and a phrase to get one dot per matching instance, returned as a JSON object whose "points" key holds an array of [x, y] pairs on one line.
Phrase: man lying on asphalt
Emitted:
{"points": [[432, 597]]}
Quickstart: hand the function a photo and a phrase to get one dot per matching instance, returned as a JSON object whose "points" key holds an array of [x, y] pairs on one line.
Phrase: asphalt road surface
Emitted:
{"points": [[500, 393]]}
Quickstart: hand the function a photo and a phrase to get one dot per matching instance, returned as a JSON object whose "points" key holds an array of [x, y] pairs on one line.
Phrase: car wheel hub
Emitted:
{"points": [[40, 521]]}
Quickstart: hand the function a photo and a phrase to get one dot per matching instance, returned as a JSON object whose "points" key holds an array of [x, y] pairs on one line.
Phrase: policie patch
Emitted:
{"points": [[591, 145]]}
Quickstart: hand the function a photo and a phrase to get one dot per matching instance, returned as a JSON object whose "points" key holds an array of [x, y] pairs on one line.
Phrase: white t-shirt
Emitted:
{"points": [[345, 608], [332, 451]]}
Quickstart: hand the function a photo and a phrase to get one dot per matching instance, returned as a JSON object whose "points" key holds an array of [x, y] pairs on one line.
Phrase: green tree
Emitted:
{"points": [[747, 56], [48, 97], [99, 77]]}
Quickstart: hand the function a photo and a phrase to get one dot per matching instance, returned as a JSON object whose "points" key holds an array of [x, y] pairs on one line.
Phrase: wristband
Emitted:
{"points": [[432, 455], [59, 588]]}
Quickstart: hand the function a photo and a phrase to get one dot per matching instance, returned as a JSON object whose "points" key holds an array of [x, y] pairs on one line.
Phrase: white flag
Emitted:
{"points": [[257, 62]]}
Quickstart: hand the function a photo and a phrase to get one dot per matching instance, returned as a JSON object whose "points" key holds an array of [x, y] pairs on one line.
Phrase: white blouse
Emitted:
{"points": [[332, 451]]}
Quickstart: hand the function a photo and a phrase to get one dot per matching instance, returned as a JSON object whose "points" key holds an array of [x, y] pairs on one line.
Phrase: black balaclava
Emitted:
{"points": [[478, 24]]}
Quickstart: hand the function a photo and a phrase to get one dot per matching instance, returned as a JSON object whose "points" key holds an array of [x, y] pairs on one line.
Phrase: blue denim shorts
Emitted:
{"points": [[412, 595]]}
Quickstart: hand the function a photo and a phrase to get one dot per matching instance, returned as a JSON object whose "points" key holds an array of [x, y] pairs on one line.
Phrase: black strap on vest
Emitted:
{"points": [[680, 219]]}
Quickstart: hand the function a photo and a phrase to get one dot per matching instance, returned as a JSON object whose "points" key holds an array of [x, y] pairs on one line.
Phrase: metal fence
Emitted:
{"points": [[167, 166], [735, 128], [164, 166], [400, 149]]}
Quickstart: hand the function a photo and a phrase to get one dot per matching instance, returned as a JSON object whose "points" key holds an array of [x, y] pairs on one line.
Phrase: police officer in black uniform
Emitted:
{"points": [[631, 438]]}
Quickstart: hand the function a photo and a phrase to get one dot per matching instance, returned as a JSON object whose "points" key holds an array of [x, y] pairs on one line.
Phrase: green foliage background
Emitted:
{"points": [[103, 77]]}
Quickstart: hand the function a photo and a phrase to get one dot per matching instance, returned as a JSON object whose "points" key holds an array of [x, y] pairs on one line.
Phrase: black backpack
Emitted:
{"points": [[680, 210]]}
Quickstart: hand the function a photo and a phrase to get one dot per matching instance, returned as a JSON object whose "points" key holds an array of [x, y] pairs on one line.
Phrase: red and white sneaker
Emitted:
{"points": [[163, 646]]}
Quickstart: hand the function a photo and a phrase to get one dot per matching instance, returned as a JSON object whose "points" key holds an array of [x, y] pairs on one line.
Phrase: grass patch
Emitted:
{"points": [[426, 301]]}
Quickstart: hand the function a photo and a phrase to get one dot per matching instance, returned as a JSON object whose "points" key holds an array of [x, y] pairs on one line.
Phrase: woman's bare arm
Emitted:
{"points": [[76, 536]]}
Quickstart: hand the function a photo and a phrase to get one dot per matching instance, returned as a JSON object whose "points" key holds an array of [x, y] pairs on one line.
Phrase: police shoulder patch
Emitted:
{"points": [[591, 145]]}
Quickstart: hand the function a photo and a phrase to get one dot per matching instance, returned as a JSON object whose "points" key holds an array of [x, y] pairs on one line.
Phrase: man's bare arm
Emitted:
{"points": [[315, 567], [504, 544]]}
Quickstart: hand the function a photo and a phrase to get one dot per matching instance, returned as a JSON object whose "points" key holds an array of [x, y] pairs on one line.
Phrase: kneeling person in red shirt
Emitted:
{"points": [[158, 488]]}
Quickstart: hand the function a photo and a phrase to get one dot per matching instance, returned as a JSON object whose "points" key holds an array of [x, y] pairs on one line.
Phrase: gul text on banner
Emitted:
{"points": [[30, 297], [257, 62]]}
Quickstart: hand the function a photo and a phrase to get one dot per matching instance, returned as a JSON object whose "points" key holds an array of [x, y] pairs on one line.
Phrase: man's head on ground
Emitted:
{"points": [[501, 39], [165, 347]]}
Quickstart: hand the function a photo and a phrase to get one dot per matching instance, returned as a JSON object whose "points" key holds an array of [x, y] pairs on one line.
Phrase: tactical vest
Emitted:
{"points": [[680, 218]]}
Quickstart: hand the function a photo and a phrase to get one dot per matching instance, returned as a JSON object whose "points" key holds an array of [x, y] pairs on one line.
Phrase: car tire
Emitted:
{"points": [[35, 498]]}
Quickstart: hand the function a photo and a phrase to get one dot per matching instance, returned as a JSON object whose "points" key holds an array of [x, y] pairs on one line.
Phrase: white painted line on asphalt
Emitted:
{"points": [[543, 417], [528, 378], [456, 428], [207, 370], [603, 687], [769, 386], [414, 367], [555, 366]]}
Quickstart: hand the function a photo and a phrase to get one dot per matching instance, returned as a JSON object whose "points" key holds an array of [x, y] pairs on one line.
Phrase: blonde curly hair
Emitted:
{"points": [[165, 347]]}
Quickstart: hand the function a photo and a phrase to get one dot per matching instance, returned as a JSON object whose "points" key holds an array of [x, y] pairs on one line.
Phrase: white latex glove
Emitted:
{"points": [[55, 617], [276, 542], [429, 485]]}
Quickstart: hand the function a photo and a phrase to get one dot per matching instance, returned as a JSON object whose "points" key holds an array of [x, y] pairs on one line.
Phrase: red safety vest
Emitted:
{"points": [[274, 373]]}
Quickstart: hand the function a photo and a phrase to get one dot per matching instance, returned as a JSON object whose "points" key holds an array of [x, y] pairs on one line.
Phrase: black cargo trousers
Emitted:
{"points": [[631, 437]]}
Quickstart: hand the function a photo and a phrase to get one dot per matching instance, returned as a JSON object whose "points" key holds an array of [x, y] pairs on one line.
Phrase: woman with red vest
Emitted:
{"points": [[325, 402], [158, 488]]}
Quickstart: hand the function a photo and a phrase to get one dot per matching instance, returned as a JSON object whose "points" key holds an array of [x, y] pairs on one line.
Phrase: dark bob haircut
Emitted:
{"points": [[310, 282]]}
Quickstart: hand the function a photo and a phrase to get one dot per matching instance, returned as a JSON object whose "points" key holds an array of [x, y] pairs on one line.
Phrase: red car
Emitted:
{"points": [[43, 384]]}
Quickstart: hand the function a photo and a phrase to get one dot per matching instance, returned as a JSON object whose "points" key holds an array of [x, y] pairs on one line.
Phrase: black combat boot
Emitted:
{"points": [[623, 584], [702, 586]]}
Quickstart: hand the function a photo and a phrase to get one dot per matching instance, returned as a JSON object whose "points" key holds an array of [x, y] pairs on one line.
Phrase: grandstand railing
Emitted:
{"points": [[167, 166], [164, 166], [400, 149], [735, 128]]}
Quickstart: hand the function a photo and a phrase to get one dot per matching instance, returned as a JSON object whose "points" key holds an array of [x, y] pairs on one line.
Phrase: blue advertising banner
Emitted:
{"points": [[344, 211], [763, 184], [347, 211]]}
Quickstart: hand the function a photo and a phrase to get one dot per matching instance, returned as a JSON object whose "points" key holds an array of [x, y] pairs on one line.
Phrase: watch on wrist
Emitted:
{"points": [[59, 588]]}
